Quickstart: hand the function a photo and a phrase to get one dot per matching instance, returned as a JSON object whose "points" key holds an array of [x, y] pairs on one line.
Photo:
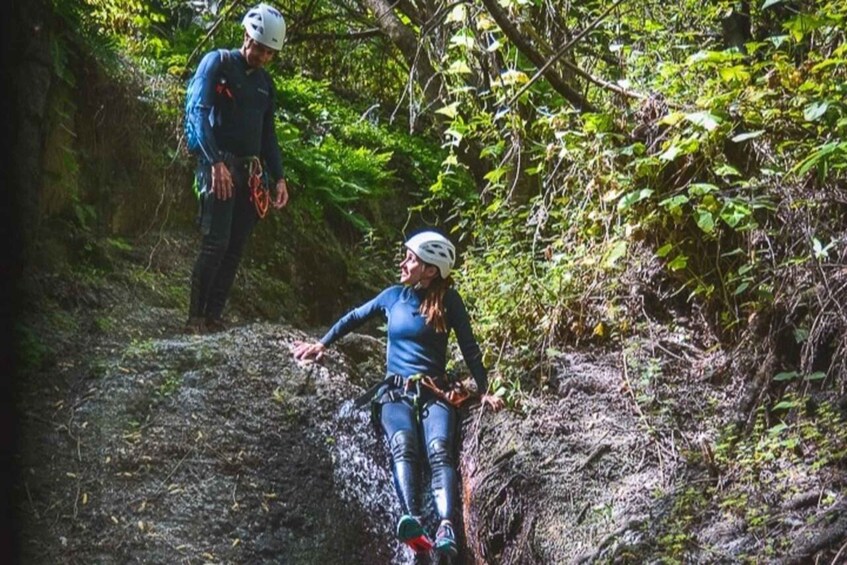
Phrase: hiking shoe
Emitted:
{"points": [[215, 325], [410, 532], [445, 539], [194, 326]]}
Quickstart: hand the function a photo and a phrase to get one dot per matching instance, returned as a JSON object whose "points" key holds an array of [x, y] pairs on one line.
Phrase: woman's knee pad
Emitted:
{"points": [[403, 446], [440, 453]]}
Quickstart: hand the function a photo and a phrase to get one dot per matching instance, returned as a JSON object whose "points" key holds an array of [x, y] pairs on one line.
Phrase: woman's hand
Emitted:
{"points": [[304, 351], [493, 402]]}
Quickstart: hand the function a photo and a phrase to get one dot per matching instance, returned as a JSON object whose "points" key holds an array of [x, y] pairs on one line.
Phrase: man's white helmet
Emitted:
{"points": [[266, 25], [433, 248]]}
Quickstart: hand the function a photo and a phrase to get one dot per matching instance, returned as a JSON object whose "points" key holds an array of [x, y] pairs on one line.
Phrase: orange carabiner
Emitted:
{"points": [[258, 194]]}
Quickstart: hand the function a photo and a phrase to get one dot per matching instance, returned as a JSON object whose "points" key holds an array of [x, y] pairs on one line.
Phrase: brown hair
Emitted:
{"points": [[432, 305]]}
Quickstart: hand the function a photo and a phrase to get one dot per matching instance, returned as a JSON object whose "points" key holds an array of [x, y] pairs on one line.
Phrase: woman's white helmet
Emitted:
{"points": [[433, 248], [266, 25]]}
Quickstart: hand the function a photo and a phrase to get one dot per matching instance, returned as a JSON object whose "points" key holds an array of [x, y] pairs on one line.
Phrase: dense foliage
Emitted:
{"points": [[608, 167], [628, 158]]}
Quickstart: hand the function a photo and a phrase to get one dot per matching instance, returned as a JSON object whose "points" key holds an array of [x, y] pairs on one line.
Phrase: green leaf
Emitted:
{"points": [[727, 171], [787, 376], [705, 120], [705, 220], [701, 188], [786, 405], [769, 3], [617, 251], [747, 135], [511, 77], [734, 213], [664, 250], [778, 429], [459, 68], [451, 110], [736, 73], [627, 200], [495, 174], [679, 262], [670, 153], [816, 376], [820, 154], [464, 39], [673, 202], [815, 110]]}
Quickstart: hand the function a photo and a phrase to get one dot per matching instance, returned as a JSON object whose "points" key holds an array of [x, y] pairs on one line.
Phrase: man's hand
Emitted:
{"points": [[281, 198], [221, 181]]}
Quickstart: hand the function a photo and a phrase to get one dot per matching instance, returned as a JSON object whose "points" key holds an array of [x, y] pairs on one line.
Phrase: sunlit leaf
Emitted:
{"points": [[705, 120], [617, 251], [736, 73], [670, 153], [727, 170], [664, 250], [674, 201], [747, 135], [512, 77], [678, 263], [627, 200], [701, 188], [459, 67], [672, 119], [451, 110], [457, 14], [705, 220], [815, 110], [463, 39]]}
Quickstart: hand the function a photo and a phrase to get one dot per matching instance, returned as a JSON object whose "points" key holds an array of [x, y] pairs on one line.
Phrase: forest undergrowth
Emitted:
{"points": [[665, 183]]}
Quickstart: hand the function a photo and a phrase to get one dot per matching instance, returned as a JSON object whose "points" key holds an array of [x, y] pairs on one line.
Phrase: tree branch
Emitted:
{"points": [[555, 80], [351, 36], [544, 68], [603, 83]]}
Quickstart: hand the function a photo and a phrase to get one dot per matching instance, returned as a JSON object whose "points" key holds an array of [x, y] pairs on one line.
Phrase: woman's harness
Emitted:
{"points": [[418, 390]]}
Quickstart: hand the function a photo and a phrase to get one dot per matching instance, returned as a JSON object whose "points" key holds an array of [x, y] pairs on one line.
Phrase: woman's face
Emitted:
{"points": [[414, 271]]}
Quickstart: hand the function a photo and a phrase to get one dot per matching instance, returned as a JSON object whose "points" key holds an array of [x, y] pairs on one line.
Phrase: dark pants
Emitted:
{"points": [[226, 226], [403, 433]]}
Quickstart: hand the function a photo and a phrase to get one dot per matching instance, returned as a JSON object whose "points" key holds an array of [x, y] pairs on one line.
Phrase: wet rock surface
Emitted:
{"points": [[139, 444]]}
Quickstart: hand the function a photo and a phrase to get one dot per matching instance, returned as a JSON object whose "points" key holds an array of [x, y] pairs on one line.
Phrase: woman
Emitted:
{"points": [[412, 412]]}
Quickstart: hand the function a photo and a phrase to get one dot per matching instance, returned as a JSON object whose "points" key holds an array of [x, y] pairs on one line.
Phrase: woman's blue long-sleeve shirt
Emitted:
{"points": [[414, 347], [230, 109]]}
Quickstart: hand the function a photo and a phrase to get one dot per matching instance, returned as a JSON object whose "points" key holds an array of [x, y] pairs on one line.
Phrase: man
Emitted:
{"points": [[230, 127]]}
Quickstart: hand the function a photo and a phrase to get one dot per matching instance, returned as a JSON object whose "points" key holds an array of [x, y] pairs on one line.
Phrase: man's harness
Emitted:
{"points": [[259, 193]]}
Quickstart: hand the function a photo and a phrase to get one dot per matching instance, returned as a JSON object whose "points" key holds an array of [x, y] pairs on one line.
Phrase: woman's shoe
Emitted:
{"points": [[410, 532], [445, 539]]}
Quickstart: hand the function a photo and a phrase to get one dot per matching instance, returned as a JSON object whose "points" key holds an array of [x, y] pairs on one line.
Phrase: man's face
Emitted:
{"points": [[256, 54]]}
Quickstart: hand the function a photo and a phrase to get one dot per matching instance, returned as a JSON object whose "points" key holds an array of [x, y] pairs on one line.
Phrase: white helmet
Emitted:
{"points": [[266, 25], [433, 248]]}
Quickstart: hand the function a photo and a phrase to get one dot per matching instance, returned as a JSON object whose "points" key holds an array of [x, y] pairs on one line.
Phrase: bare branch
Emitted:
{"points": [[544, 68], [555, 80]]}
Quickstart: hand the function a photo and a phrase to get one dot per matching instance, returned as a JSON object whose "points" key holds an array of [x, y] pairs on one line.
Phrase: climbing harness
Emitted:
{"points": [[396, 387], [259, 194], [455, 394]]}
